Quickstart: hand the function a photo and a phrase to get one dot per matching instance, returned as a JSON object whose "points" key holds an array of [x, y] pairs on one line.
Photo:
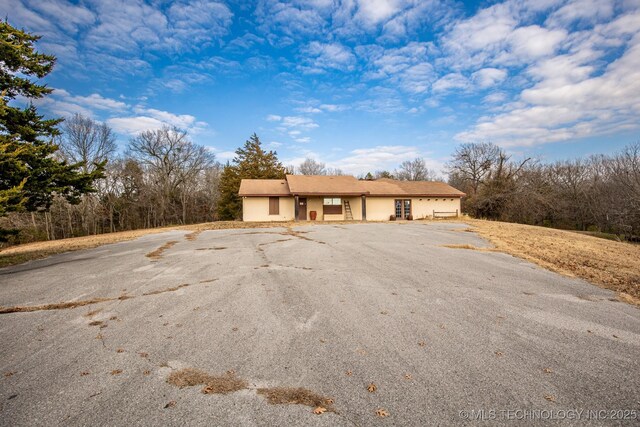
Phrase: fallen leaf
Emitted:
{"points": [[372, 388], [231, 372], [382, 413], [116, 372], [422, 343], [143, 354], [407, 377], [8, 374], [589, 331], [146, 372], [547, 371], [234, 329], [319, 410], [322, 340], [208, 389], [615, 336], [499, 353], [120, 350], [348, 373], [384, 312], [170, 404], [84, 373], [550, 398]]}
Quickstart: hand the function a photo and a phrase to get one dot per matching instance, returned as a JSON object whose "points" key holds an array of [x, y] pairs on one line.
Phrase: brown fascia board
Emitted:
{"points": [[266, 195], [417, 195], [329, 194]]}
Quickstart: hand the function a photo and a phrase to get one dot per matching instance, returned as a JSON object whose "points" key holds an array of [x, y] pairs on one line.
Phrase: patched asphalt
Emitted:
{"points": [[444, 333]]}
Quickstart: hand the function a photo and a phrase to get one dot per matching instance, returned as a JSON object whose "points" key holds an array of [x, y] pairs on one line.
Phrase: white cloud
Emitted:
{"points": [[451, 81], [383, 157], [488, 77], [328, 56], [274, 118]]}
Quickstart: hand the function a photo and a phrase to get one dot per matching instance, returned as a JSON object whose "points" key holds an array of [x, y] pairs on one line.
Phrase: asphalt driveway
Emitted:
{"points": [[443, 333]]}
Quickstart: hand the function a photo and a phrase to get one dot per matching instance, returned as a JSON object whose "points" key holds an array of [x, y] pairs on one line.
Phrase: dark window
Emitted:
{"points": [[274, 205], [332, 206]]}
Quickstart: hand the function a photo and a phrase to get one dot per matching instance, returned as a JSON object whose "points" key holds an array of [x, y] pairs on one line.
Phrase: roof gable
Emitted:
{"points": [[264, 187]]}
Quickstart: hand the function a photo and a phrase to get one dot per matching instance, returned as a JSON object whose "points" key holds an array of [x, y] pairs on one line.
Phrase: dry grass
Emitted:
{"points": [[463, 246], [161, 291], [608, 264], [55, 306], [157, 254], [213, 384], [295, 396]]}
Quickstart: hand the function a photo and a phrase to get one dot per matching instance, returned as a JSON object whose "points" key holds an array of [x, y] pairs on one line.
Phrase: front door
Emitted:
{"points": [[403, 208], [302, 209]]}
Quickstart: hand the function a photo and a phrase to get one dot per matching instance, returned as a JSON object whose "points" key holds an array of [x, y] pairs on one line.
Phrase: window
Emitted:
{"points": [[332, 201], [332, 206], [274, 205]]}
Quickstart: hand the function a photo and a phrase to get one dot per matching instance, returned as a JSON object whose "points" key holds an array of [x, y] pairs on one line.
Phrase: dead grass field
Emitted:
{"points": [[608, 264]]}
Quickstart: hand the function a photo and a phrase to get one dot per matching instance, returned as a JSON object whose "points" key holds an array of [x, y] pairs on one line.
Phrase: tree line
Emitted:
{"points": [[600, 193]]}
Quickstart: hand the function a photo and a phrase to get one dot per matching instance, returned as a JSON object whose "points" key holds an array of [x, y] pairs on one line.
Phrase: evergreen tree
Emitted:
{"points": [[251, 162], [30, 173]]}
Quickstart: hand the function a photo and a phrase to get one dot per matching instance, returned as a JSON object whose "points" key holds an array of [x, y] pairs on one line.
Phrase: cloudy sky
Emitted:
{"points": [[359, 84]]}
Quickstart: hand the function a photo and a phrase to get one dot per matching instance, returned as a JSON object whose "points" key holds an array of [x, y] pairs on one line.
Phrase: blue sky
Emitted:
{"points": [[358, 84]]}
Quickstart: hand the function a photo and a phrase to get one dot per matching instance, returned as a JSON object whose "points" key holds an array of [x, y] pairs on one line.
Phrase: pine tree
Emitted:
{"points": [[251, 162], [30, 173]]}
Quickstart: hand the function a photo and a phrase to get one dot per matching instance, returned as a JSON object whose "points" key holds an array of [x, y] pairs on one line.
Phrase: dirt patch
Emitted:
{"points": [[213, 384], [608, 264], [463, 246], [296, 396], [157, 254], [193, 236], [55, 306], [161, 291]]}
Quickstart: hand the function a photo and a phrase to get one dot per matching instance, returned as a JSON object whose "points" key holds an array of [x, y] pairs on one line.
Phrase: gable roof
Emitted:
{"points": [[264, 187], [324, 185], [392, 187]]}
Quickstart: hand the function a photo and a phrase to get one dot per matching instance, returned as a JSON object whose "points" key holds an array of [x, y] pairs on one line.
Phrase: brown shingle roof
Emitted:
{"points": [[264, 187], [325, 185], [321, 185], [391, 187]]}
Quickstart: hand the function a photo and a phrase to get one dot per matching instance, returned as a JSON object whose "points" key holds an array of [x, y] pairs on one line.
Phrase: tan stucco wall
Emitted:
{"points": [[315, 204], [423, 207], [380, 208], [257, 209]]}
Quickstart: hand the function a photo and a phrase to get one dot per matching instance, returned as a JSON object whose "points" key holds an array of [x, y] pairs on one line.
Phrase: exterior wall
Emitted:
{"points": [[423, 207], [256, 209], [381, 208], [315, 204]]}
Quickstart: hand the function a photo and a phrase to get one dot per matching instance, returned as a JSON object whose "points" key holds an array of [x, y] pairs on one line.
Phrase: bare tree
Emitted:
{"points": [[173, 162], [86, 141], [414, 170], [312, 167], [472, 162]]}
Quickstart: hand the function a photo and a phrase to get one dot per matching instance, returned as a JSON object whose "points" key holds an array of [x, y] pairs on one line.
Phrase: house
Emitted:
{"points": [[336, 198]]}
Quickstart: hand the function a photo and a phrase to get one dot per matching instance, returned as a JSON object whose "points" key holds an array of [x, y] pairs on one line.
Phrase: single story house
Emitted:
{"points": [[327, 198]]}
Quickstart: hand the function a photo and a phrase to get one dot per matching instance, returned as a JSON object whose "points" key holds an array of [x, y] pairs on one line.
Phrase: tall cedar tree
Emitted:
{"points": [[30, 173], [251, 161]]}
